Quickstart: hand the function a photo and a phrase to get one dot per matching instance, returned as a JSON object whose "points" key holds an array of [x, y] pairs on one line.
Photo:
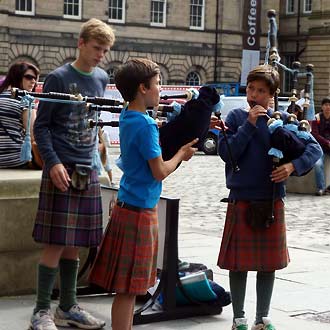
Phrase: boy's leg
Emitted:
{"points": [[45, 284], [47, 270], [237, 282], [265, 284], [68, 283], [122, 311], [319, 176], [69, 313]]}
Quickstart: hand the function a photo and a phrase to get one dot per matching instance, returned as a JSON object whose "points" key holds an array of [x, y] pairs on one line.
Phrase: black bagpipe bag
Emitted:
{"points": [[288, 142], [192, 122]]}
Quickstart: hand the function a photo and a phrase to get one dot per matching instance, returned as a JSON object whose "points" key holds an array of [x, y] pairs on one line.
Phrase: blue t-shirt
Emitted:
{"points": [[139, 142]]}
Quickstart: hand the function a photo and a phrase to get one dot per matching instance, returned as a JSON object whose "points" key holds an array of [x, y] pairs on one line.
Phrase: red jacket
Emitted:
{"points": [[321, 131]]}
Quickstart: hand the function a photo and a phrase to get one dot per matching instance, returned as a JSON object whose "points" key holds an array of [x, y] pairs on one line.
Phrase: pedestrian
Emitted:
{"points": [[126, 261], [104, 144], [254, 237], [69, 213], [16, 119], [321, 132]]}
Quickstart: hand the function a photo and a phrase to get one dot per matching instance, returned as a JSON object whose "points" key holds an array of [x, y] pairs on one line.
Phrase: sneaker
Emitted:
{"points": [[266, 325], [42, 320], [240, 324], [78, 317], [320, 192], [327, 190]]}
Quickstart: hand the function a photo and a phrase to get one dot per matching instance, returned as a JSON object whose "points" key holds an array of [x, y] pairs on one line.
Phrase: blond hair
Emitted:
{"points": [[97, 30]]}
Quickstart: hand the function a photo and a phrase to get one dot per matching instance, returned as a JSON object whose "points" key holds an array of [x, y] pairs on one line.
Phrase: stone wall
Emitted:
{"points": [[19, 254], [49, 40]]}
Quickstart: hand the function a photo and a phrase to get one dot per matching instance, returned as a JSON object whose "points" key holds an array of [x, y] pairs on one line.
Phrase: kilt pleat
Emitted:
{"points": [[127, 257], [71, 218], [244, 248]]}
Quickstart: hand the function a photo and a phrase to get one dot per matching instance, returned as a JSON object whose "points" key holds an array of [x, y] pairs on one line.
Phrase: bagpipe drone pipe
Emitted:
{"points": [[185, 122], [188, 121]]}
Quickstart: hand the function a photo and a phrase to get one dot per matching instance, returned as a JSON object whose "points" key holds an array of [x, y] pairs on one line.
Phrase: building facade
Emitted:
{"points": [[304, 35], [193, 41]]}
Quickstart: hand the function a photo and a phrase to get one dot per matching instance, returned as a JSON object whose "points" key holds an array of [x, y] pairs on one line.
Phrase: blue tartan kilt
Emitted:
{"points": [[71, 218]]}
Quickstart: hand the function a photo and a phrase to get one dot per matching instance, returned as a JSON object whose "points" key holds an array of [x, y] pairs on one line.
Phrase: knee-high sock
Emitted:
{"points": [[265, 284], [68, 283], [45, 284], [237, 282]]}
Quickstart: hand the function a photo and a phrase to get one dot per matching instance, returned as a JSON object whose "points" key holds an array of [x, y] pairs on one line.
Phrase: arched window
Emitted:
{"points": [[193, 79], [111, 74], [161, 78]]}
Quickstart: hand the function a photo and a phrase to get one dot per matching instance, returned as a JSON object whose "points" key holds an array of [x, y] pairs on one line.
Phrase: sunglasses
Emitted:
{"points": [[30, 77]]}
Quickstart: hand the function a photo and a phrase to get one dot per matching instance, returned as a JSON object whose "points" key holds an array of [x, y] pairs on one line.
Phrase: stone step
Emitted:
{"points": [[19, 254]]}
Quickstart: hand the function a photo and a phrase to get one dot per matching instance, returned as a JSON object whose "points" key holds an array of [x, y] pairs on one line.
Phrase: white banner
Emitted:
{"points": [[250, 59]]}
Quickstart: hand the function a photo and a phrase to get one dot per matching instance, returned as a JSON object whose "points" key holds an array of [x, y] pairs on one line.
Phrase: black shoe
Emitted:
{"points": [[327, 190]]}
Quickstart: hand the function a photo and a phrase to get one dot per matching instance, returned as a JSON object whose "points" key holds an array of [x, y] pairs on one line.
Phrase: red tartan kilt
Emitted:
{"points": [[127, 258], [243, 248]]}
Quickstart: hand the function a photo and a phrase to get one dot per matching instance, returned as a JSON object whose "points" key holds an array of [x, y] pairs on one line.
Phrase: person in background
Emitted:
{"points": [[254, 237], [104, 144], [69, 213], [321, 132], [16, 118], [127, 259]]}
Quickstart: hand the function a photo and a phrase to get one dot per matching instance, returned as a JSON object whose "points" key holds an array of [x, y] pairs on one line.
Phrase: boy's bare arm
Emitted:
{"points": [[161, 169]]}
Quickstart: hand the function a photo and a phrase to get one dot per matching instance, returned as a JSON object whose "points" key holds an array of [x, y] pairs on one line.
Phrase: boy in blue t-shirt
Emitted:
{"points": [[126, 263]]}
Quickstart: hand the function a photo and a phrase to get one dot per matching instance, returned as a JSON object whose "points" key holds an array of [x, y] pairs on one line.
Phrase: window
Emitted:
{"points": [[287, 77], [24, 7], [72, 9], [158, 13], [117, 11], [290, 6], [193, 79], [307, 6], [197, 14]]}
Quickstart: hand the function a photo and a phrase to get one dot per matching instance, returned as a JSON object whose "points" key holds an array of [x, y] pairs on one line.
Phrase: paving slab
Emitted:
{"points": [[301, 299]]}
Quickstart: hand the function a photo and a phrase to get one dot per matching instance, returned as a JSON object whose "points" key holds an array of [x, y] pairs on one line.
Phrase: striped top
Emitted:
{"points": [[11, 131]]}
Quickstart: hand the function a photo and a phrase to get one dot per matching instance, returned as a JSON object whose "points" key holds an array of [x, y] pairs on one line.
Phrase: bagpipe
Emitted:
{"points": [[191, 121], [288, 134], [185, 121]]}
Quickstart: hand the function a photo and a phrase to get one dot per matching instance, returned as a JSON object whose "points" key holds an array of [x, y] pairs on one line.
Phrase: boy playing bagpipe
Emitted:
{"points": [[126, 262]]}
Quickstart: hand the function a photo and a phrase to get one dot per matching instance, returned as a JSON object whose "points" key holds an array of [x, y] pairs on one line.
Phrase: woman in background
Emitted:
{"points": [[14, 116]]}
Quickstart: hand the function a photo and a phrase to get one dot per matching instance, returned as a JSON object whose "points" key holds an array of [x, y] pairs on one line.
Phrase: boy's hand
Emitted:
{"points": [[282, 172], [255, 112], [214, 121], [187, 150], [60, 177]]}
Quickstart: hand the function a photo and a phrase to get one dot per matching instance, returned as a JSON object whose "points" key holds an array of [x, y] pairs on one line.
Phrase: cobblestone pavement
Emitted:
{"points": [[200, 185]]}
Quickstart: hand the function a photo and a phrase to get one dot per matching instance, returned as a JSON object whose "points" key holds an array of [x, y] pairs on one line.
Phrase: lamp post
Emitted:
{"points": [[298, 34], [215, 71]]}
